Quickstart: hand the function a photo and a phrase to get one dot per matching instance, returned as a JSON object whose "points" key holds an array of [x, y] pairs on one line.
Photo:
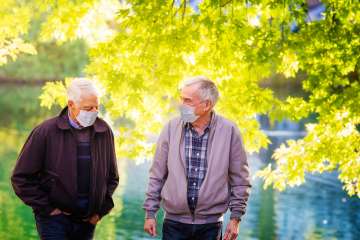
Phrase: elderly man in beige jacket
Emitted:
{"points": [[199, 171]]}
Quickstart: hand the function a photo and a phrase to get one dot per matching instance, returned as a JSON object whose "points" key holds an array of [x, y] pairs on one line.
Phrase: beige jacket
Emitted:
{"points": [[226, 184]]}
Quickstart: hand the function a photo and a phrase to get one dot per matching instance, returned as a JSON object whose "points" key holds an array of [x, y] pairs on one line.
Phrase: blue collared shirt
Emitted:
{"points": [[73, 123], [196, 162]]}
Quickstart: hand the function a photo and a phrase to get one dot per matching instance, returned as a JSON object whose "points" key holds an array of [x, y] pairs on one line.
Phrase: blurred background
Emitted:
{"points": [[318, 209]]}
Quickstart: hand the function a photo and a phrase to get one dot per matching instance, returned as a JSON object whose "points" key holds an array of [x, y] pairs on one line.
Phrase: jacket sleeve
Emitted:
{"points": [[239, 176], [25, 177], [157, 175], [113, 180]]}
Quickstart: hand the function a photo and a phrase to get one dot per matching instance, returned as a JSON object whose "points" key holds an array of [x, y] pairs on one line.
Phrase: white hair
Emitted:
{"points": [[80, 87], [207, 88]]}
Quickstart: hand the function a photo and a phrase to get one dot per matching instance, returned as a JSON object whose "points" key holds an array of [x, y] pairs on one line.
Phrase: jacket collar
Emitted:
{"points": [[63, 123]]}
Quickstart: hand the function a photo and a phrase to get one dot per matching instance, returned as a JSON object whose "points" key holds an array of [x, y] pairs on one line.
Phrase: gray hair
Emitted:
{"points": [[207, 88], [80, 87]]}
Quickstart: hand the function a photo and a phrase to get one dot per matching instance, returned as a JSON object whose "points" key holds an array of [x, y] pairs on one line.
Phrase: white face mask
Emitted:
{"points": [[86, 118], [187, 113]]}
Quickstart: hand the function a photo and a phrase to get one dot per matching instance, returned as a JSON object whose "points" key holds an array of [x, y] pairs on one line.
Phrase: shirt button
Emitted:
{"points": [[193, 199], [197, 154], [196, 169], [194, 184]]}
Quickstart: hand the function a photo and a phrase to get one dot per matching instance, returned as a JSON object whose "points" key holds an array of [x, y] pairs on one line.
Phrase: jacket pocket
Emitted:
{"points": [[58, 194], [47, 181], [173, 201], [215, 201]]}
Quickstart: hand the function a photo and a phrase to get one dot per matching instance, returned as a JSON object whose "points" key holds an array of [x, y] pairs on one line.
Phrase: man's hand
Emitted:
{"points": [[55, 212], [94, 219], [150, 226], [232, 230]]}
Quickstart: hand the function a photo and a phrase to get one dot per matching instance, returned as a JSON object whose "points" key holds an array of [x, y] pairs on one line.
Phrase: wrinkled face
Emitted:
{"points": [[89, 102], [190, 96]]}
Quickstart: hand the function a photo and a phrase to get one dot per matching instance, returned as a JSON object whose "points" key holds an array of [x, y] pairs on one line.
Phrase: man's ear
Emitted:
{"points": [[208, 105], [70, 103]]}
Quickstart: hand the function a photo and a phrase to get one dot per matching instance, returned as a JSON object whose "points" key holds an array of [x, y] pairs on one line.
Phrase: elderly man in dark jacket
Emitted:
{"points": [[66, 171]]}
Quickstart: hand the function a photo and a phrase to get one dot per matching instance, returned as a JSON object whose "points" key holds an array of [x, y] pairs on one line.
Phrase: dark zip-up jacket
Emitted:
{"points": [[45, 175]]}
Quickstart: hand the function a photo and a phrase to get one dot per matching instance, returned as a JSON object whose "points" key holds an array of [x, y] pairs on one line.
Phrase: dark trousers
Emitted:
{"points": [[63, 227], [180, 231]]}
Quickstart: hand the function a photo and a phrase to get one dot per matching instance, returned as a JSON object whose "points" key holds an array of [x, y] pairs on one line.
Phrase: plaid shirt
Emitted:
{"points": [[196, 162]]}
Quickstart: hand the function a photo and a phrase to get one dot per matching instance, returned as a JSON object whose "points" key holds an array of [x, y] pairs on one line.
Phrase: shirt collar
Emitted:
{"points": [[73, 123]]}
